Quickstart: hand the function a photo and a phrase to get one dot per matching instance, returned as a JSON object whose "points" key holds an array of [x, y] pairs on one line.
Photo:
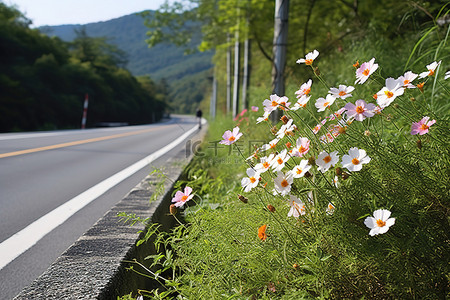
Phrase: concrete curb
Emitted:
{"points": [[93, 267]]}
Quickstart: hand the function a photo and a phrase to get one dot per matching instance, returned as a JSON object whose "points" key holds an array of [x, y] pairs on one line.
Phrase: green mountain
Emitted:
{"points": [[186, 75]]}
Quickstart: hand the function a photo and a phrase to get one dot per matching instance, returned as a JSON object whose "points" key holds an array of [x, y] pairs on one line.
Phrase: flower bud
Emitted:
{"points": [[173, 209], [242, 198], [308, 175], [419, 144], [270, 207], [338, 171], [367, 133], [274, 130], [317, 71], [312, 161], [288, 145], [285, 119], [345, 175], [412, 99], [356, 64], [295, 266]]}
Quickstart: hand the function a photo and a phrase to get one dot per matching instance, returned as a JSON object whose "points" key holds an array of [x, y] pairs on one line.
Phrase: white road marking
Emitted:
{"points": [[21, 241]]}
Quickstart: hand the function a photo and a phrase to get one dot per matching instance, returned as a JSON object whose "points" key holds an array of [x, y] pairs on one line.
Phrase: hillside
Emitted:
{"points": [[186, 75]]}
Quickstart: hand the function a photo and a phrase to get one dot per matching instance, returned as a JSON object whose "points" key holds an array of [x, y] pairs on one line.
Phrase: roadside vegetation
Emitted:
{"points": [[345, 197]]}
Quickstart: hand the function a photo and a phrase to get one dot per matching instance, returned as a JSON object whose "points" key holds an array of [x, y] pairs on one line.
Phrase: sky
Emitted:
{"points": [[59, 12]]}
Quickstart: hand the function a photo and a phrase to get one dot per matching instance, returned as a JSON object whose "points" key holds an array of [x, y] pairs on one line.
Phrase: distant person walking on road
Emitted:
{"points": [[199, 116]]}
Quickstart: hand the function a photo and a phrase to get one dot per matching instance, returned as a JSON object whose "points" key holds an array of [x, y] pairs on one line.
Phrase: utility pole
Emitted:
{"points": [[279, 51]]}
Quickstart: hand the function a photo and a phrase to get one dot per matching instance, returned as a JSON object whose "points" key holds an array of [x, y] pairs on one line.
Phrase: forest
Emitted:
{"points": [[44, 81]]}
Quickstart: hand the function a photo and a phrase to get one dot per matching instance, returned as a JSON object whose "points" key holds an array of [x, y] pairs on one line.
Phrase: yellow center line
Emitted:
{"points": [[68, 144]]}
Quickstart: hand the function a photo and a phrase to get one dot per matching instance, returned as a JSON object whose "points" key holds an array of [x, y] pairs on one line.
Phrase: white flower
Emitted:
{"points": [[300, 169], [431, 69], [322, 103], [407, 78], [447, 75], [283, 184], [264, 163], [309, 58], [251, 181], [380, 222], [297, 207], [272, 103], [265, 117], [304, 90], [355, 159], [271, 145], [279, 160], [286, 129], [342, 92], [301, 103], [387, 94], [325, 161]]}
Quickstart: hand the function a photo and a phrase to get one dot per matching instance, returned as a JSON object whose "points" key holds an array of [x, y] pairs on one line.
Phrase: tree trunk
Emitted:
{"points": [[236, 75], [246, 74], [228, 75], [279, 51]]}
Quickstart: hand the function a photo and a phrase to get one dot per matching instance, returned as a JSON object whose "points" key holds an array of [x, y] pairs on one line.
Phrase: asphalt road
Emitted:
{"points": [[41, 171]]}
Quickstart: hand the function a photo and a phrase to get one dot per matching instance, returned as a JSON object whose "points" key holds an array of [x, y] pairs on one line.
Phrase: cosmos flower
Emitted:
{"points": [[262, 232], [271, 145], [255, 108], [422, 126], [283, 184], [323, 103], [264, 163], [330, 208], [304, 89], [279, 160], [181, 198], [342, 92], [365, 70], [302, 147], [309, 58], [300, 169], [250, 182], [286, 129], [407, 78], [231, 137], [387, 94], [301, 103], [324, 161], [380, 222], [272, 103], [355, 159], [431, 69], [265, 117], [297, 207], [360, 110]]}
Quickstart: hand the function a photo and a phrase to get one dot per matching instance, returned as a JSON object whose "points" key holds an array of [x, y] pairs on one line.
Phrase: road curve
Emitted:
{"points": [[39, 172]]}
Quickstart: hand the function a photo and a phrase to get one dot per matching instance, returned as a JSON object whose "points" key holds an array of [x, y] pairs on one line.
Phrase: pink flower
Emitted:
{"points": [[360, 110], [272, 103], [309, 58], [366, 69], [231, 137], [342, 92], [255, 108], [302, 147], [181, 198], [422, 126]]}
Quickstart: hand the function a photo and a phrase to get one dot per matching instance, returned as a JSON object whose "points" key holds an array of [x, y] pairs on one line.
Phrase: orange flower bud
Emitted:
{"points": [[356, 64], [173, 209], [420, 86], [285, 119], [242, 198], [270, 207]]}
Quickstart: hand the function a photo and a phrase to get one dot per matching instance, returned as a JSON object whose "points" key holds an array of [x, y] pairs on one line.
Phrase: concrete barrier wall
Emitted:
{"points": [[93, 267]]}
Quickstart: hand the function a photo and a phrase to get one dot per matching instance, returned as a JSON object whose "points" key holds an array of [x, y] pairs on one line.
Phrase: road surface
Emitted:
{"points": [[41, 171]]}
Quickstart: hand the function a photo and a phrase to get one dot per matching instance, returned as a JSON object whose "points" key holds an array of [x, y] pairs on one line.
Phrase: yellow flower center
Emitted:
{"points": [[366, 72], [380, 223], [279, 161], [342, 93], [266, 164], [284, 183], [406, 82], [389, 94], [299, 171], [326, 104], [359, 109], [306, 91], [355, 161], [424, 127], [327, 159], [301, 149], [274, 103], [184, 198], [231, 138], [252, 179], [431, 73], [308, 61]]}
